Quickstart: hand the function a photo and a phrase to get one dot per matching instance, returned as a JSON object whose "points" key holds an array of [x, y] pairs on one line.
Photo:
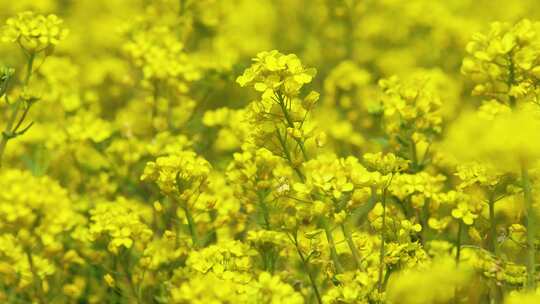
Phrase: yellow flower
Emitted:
{"points": [[386, 163], [433, 284], [464, 213], [109, 280], [501, 61], [275, 72], [179, 173], [34, 32], [503, 142]]}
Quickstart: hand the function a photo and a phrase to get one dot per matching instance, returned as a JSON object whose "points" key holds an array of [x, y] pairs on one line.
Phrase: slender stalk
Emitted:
{"points": [[289, 122], [305, 265], [140, 287], [264, 210], [181, 7], [352, 246], [414, 155], [492, 226], [9, 130], [350, 32], [192, 226], [6, 135], [527, 195], [283, 106], [531, 226], [458, 242], [268, 255], [511, 80], [37, 281], [113, 291], [155, 100], [424, 217], [288, 156], [29, 68], [126, 265], [495, 291], [382, 249], [332, 245], [458, 256]]}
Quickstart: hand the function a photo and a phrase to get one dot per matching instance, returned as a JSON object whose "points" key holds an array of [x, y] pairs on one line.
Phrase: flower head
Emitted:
{"points": [[34, 32]]}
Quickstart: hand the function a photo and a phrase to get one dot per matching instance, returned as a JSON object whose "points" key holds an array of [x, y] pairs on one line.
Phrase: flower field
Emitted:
{"points": [[270, 151]]}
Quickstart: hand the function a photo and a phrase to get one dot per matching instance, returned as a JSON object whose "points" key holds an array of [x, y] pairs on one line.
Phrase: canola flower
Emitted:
{"points": [[269, 151], [34, 32]]}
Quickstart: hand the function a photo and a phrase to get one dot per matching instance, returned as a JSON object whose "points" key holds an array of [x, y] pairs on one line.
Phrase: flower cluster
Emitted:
{"points": [[34, 32], [504, 62], [412, 114], [161, 56], [119, 223], [181, 151], [273, 72], [178, 173]]}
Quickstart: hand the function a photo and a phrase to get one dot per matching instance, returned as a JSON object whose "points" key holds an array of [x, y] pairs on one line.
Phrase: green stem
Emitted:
{"points": [[182, 7], [305, 265], [458, 256], [264, 210], [155, 100], [350, 35], [115, 293], [493, 226], [414, 155], [192, 226], [282, 103], [531, 226], [29, 68], [3, 144], [332, 245], [9, 130], [458, 242], [290, 124], [511, 80], [268, 254], [126, 265], [424, 217], [37, 281], [382, 249], [140, 287], [283, 106], [330, 238], [288, 156], [352, 246]]}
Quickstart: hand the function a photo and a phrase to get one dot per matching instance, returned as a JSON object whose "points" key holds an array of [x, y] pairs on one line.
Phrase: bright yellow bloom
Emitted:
{"points": [[109, 280], [34, 32]]}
